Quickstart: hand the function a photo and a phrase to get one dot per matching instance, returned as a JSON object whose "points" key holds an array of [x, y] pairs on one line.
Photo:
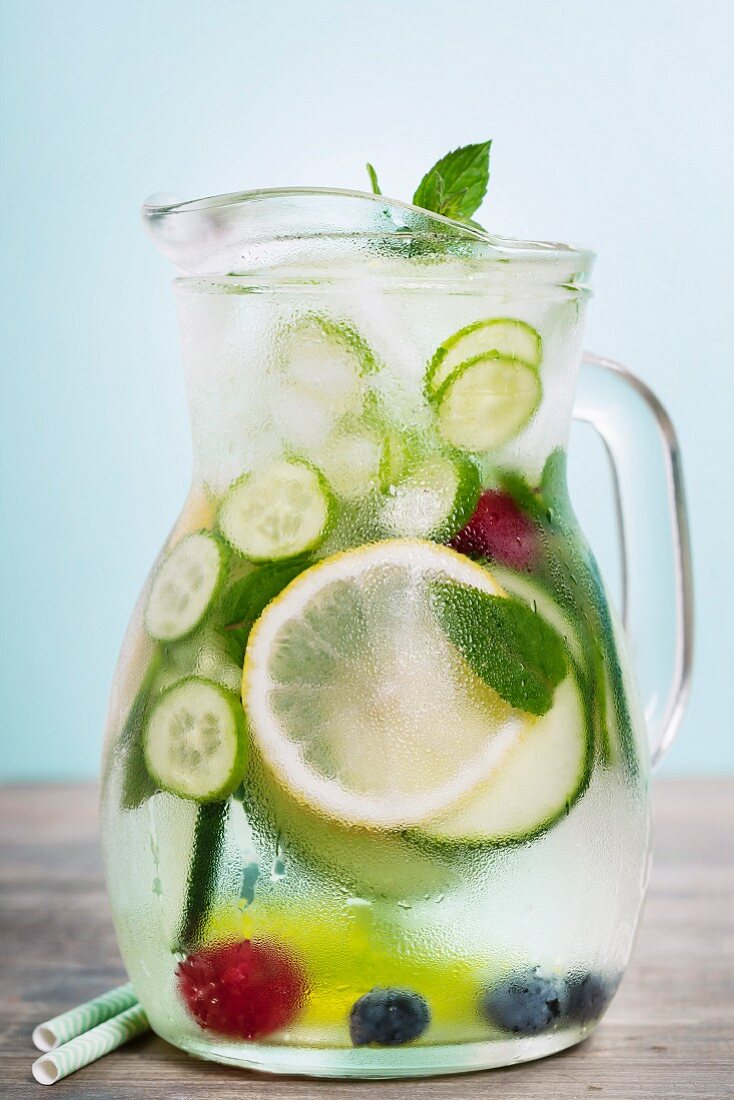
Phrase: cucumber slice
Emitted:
{"points": [[501, 336], [194, 741], [434, 500], [279, 512], [185, 586], [487, 401], [201, 880], [540, 778]]}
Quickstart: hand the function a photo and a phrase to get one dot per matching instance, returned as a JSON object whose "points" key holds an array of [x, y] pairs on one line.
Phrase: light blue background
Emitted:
{"points": [[612, 125]]}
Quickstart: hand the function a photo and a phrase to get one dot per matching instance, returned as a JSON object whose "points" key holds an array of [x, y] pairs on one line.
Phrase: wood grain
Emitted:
{"points": [[668, 1035]]}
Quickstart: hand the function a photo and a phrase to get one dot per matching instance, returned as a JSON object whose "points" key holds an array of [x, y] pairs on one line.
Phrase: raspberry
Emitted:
{"points": [[244, 990], [499, 530]]}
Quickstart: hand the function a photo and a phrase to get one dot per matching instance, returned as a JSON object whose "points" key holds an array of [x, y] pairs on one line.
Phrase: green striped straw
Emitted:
{"points": [[83, 1018], [85, 1049]]}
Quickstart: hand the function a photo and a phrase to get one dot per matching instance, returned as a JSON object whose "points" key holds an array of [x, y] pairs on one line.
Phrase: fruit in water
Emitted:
{"points": [[347, 949], [244, 990], [499, 530], [388, 1017], [589, 995], [526, 1003], [349, 678]]}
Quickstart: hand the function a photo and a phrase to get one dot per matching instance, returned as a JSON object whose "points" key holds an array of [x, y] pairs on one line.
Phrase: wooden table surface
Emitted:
{"points": [[668, 1035]]}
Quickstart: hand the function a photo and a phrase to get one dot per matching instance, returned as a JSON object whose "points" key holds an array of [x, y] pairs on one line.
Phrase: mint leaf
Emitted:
{"points": [[373, 179], [246, 599], [457, 184], [505, 642]]}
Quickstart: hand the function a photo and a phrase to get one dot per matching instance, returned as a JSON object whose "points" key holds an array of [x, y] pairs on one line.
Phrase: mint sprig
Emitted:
{"points": [[505, 642], [456, 185]]}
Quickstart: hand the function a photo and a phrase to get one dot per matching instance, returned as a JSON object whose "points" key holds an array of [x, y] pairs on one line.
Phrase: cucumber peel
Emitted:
{"points": [[201, 880], [137, 784], [395, 457]]}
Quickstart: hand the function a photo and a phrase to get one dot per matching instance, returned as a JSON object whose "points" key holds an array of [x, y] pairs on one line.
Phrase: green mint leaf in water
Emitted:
{"points": [[374, 183], [505, 643], [246, 599], [457, 184]]}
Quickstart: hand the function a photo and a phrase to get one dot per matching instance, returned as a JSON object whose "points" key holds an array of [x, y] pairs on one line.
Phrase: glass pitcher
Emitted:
{"points": [[375, 796]]}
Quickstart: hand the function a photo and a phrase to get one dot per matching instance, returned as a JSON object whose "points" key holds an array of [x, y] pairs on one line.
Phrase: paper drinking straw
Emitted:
{"points": [[76, 1021], [85, 1049]]}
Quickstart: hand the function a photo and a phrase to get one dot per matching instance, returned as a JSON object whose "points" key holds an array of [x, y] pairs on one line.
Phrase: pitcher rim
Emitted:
{"points": [[521, 249]]}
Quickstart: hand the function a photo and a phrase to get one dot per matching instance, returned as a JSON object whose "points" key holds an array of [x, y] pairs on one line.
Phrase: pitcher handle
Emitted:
{"points": [[655, 552]]}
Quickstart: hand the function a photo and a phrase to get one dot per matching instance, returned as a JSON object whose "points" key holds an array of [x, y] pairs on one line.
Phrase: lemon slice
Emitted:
{"points": [[357, 700]]}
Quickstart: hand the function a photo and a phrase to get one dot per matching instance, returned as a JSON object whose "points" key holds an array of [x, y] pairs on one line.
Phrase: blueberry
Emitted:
{"points": [[389, 1017], [589, 995], [525, 1003]]}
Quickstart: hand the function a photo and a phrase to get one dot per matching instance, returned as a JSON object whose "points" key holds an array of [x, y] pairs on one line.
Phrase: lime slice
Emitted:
{"points": [[501, 336], [357, 700], [487, 402]]}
